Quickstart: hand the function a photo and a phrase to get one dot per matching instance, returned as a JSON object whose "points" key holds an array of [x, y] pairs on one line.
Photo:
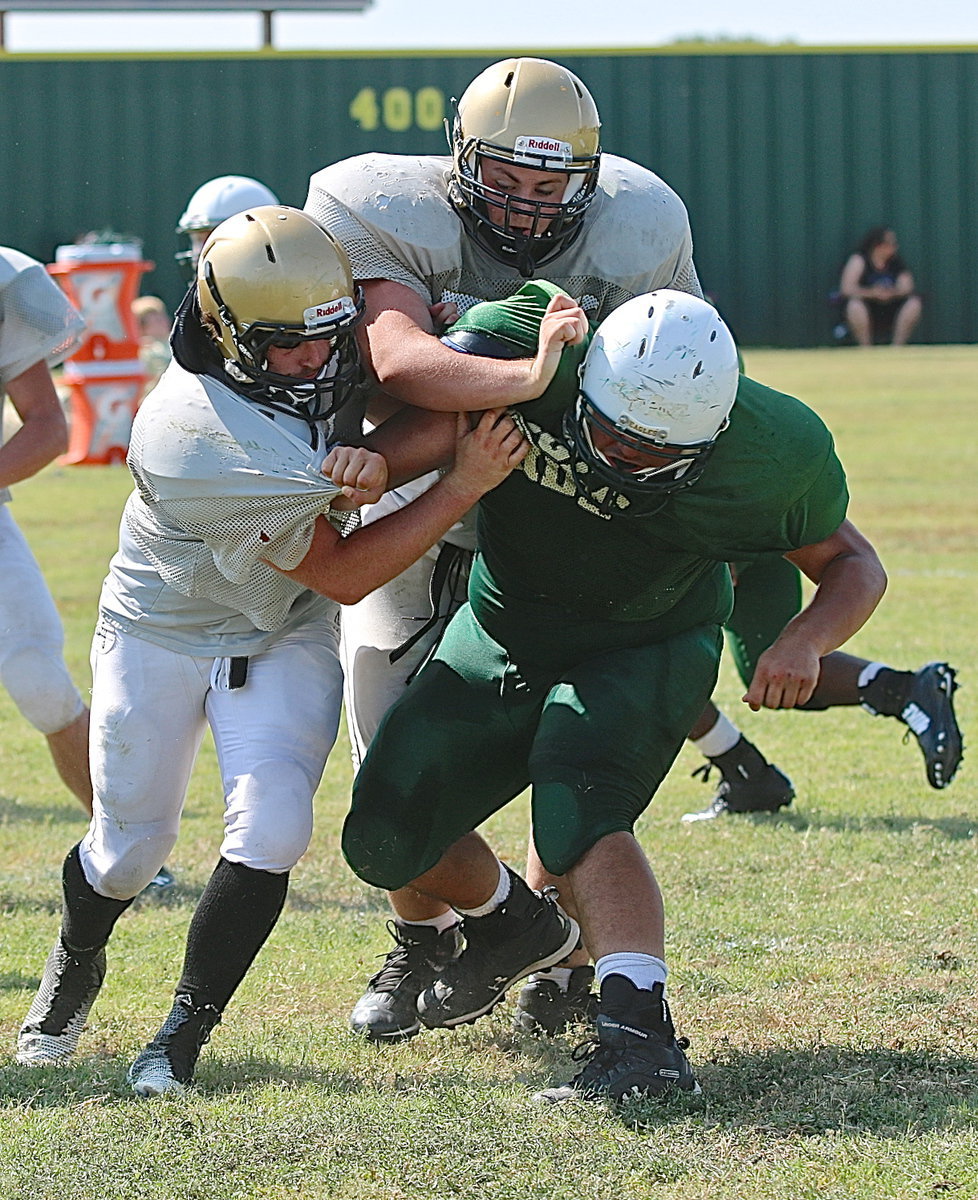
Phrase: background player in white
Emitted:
{"points": [[38, 329], [213, 202], [220, 609]]}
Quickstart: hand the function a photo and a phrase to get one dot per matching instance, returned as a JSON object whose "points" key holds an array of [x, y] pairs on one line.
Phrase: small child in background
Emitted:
{"points": [[153, 322]]}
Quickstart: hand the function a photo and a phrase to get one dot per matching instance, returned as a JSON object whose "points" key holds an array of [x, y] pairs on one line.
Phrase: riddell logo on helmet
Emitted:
{"points": [[323, 314], [542, 147]]}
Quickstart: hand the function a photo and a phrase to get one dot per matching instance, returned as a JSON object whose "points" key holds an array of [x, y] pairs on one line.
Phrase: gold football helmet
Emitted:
{"points": [[529, 113], [274, 275]]}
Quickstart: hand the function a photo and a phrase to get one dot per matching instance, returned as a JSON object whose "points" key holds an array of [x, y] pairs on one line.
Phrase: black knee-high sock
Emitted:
{"points": [[87, 918], [234, 917]]}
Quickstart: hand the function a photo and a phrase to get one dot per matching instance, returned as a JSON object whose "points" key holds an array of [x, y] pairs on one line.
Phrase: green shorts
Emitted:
{"points": [[594, 740]]}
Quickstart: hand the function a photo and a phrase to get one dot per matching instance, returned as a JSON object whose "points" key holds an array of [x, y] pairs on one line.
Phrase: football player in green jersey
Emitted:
{"points": [[589, 647]]}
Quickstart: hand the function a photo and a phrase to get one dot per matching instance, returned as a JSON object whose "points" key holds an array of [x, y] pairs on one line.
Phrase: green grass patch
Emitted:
{"points": [[823, 960]]}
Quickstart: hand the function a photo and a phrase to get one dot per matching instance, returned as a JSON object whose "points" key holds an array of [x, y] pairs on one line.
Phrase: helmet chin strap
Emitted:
{"points": [[304, 391], [301, 401]]}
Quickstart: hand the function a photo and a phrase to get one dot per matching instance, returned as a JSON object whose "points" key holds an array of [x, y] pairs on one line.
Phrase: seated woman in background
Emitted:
{"points": [[878, 288]]}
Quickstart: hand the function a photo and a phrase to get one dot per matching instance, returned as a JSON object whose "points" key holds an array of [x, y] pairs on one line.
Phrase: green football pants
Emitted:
{"points": [[594, 741]]}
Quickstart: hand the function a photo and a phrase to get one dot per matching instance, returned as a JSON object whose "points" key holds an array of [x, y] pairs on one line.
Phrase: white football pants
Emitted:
{"points": [[150, 707], [32, 666]]}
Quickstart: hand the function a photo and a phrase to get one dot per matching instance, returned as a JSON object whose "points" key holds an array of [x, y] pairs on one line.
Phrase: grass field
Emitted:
{"points": [[823, 961]]}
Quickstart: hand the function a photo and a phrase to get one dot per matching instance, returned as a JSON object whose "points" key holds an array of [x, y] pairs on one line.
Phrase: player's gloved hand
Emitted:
{"points": [[487, 448], [362, 474]]}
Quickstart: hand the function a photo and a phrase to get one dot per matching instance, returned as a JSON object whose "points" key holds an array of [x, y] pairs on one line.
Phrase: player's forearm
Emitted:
{"points": [[382, 550], [421, 370], [413, 442], [850, 588], [32, 447]]}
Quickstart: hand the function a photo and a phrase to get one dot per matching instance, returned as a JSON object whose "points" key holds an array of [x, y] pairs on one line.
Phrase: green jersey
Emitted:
{"points": [[772, 483]]}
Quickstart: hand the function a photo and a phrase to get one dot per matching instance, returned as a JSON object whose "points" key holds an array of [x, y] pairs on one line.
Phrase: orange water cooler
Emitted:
{"points": [[105, 377]]}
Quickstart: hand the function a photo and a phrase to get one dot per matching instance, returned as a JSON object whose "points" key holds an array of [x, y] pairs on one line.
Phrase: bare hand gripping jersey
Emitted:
{"points": [[394, 218]]}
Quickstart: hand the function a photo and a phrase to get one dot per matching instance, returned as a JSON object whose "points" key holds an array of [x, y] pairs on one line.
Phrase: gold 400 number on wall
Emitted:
{"points": [[398, 108]]}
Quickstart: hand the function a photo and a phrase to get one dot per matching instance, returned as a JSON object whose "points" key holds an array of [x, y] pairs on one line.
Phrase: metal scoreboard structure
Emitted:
{"points": [[267, 11]]}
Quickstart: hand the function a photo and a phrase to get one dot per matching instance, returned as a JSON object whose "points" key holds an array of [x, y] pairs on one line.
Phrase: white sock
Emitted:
{"points": [[644, 970], [503, 888], [722, 736], [442, 922], [558, 975]]}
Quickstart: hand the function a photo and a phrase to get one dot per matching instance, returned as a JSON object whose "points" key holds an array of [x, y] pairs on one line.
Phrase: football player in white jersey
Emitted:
{"points": [[220, 608], [39, 328], [213, 202]]}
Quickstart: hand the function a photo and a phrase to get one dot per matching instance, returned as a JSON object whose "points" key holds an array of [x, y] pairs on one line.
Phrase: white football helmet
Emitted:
{"points": [[527, 112], [274, 275], [212, 203], [659, 377]]}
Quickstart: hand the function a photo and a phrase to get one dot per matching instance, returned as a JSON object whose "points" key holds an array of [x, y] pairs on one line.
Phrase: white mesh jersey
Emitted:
{"points": [[393, 215], [37, 321], [221, 485]]}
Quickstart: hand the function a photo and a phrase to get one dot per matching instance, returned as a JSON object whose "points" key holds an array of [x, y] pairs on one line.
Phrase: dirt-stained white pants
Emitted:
{"points": [[150, 708]]}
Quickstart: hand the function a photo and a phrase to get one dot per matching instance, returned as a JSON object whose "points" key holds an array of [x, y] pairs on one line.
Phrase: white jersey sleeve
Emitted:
{"points": [[393, 216], [37, 321], [637, 232], [222, 490]]}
